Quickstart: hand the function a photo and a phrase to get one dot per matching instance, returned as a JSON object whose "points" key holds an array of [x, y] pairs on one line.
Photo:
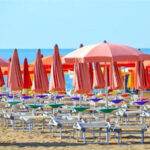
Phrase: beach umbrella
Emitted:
{"points": [[3, 62], [2, 82], [40, 81], [26, 76], [115, 78], [14, 77], [140, 76], [98, 80], [105, 52], [57, 80], [8, 70], [81, 82], [91, 73], [131, 82]]}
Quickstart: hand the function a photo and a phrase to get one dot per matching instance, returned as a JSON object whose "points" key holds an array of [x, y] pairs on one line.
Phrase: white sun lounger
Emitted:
{"points": [[93, 127]]}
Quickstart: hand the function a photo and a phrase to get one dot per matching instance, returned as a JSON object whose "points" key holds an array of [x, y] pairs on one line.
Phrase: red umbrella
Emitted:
{"points": [[3, 62], [8, 70], [115, 78], [105, 52], [26, 76], [91, 73], [2, 82], [140, 76], [15, 78], [98, 82], [57, 80], [81, 82], [40, 80]]}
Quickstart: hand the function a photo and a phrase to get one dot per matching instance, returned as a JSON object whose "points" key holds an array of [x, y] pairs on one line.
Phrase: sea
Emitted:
{"points": [[30, 54]]}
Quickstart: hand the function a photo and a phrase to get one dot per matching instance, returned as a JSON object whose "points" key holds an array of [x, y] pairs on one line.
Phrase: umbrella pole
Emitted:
{"points": [[106, 88]]}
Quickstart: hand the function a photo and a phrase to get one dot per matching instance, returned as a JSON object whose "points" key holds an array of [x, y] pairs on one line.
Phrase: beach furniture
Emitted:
{"points": [[130, 129], [92, 127], [63, 123]]}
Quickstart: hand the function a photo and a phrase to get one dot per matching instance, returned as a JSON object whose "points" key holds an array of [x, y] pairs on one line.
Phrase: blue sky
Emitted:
{"points": [[42, 23]]}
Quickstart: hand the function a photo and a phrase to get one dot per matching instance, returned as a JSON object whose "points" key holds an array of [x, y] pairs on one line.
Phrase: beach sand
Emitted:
{"points": [[15, 140]]}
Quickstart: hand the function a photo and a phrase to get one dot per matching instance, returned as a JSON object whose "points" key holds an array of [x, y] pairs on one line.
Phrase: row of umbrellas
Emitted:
{"points": [[85, 79]]}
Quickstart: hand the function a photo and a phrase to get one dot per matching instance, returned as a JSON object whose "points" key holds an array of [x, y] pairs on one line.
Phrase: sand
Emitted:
{"points": [[14, 140]]}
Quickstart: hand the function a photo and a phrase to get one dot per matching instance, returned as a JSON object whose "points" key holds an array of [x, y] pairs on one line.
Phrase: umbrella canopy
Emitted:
{"points": [[57, 80], [2, 82], [40, 81], [15, 78], [99, 81], [26, 76], [3, 62], [140, 76], [115, 78], [81, 82], [105, 52]]}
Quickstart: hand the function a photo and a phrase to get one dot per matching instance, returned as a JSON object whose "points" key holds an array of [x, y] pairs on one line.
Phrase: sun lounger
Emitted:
{"points": [[130, 129], [93, 127], [65, 122]]}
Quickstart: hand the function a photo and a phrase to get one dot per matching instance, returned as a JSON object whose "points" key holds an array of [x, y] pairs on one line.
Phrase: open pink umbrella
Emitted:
{"points": [[81, 82], [15, 78], [2, 82], [105, 52], [140, 76], [115, 78], [40, 81], [57, 80], [99, 81], [26, 76]]}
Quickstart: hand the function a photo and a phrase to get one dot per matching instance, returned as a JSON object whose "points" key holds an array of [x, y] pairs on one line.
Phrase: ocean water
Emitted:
{"points": [[31, 55]]}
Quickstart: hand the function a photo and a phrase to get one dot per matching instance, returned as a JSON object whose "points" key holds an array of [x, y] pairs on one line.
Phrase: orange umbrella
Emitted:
{"points": [[26, 76], [2, 82], [14, 77], [57, 80], [81, 82], [115, 78], [40, 80], [99, 81]]}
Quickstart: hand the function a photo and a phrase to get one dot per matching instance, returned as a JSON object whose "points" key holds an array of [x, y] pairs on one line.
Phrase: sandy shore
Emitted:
{"points": [[38, 140]]}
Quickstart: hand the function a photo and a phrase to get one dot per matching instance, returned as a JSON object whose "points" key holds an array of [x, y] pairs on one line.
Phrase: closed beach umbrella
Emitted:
{"points": [[131, 82], [26, 76], [8, 70], [40, 81], [140, 76], [81, 82], [99, 81], [2, 82], [15, 78], [115, 78], [91, 73], [57, 80]]}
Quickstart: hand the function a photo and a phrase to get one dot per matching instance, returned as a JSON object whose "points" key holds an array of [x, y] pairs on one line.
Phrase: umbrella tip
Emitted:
{"points": [[105, 41], [81, 45], [139, 49], [56, 45]]}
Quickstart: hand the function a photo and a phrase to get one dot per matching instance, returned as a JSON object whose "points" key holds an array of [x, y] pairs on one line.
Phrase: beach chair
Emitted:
{"points": [[93, 127], [130, 129], [65, 122]]}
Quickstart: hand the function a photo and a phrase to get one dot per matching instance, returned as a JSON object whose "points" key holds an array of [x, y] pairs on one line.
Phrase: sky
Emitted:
{"points": [[43, 23]]}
